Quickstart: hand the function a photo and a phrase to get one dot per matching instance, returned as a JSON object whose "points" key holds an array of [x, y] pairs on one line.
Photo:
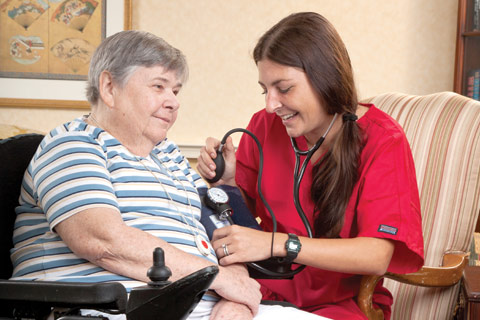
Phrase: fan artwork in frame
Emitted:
{"points": [[49, 39]]}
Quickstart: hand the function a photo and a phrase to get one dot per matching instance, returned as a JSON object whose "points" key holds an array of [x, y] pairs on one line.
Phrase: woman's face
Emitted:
{"points": [[148, 103], [290, 95]]}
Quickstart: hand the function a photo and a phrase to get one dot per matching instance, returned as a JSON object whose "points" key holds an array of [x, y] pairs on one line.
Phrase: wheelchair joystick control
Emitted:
{"points": [[159, 272]]}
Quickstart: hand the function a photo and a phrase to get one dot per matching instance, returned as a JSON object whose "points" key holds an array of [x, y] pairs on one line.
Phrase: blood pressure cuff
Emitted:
{"points": [[241, 215]]}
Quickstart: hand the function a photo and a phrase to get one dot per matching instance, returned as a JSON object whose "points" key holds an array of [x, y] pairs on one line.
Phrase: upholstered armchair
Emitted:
{"points": [[444, 134]]}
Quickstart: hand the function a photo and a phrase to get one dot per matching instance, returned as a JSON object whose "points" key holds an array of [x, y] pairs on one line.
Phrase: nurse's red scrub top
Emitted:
{"points": [[384, 204]]}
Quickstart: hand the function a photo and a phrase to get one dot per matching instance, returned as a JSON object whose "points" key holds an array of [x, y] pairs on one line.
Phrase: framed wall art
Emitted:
{"points": [[46, 45]]}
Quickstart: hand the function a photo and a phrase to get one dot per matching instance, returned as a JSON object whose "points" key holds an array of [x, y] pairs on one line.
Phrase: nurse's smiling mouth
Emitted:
{"points": [[287, 117]]}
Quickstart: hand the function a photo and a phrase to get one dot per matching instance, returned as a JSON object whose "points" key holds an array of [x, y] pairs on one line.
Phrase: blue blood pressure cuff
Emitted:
{"points": [[241, 215]]}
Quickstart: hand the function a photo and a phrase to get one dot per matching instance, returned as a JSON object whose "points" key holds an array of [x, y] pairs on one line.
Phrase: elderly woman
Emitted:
{"points": [[104, 190]]}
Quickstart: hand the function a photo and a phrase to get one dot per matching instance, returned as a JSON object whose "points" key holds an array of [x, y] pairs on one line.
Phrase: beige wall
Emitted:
{"points": [[406, 46]]}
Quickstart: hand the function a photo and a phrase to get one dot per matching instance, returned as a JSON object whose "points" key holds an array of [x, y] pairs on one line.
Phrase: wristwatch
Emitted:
{"points": [[293, 247], [217, 200]]}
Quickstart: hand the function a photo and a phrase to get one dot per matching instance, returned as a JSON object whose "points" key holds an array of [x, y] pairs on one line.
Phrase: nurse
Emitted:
{"points": [[359, 189]]}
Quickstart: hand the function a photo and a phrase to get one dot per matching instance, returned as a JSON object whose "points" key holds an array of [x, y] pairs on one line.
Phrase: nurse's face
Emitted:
{"points": [[290, 95]]}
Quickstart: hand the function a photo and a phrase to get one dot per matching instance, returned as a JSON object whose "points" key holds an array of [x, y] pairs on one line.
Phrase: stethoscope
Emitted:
{"points": [[298, 176], [298, 173]]}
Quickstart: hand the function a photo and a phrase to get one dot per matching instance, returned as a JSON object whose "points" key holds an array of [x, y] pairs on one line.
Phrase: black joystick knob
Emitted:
{"points": [[159, 272], [220, 167]]}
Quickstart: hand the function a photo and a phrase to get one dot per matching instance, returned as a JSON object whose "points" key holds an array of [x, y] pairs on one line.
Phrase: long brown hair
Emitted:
{"points": [[308, 41]]}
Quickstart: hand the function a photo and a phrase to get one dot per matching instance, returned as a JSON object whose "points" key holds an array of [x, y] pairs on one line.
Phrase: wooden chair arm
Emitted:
{"points": [[365, 297], [447, 275]]}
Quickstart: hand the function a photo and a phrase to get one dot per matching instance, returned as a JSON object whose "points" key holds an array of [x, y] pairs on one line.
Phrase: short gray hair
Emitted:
{"points": [[122, 53]]}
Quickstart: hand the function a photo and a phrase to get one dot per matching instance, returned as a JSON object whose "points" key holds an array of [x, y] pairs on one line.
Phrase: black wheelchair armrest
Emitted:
{"points": [[160, 298], [38, 297], [175, 301]]}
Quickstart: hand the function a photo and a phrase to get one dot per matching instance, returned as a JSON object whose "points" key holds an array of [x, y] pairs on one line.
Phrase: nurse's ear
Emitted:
{"points": [[107, 88]]}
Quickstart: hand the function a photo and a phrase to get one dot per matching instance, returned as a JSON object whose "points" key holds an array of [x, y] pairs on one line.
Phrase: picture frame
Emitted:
{"points": [[44, 93]]}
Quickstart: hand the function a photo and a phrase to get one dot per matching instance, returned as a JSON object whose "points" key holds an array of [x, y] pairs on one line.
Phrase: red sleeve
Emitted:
{"points": [[388, 205], [247, 156]]}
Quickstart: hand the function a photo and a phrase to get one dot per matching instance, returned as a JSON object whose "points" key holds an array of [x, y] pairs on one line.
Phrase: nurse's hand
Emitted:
{"points": [[206, 167], [245, 244]]}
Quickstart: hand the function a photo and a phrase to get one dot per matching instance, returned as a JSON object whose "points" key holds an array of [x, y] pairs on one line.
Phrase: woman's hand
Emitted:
{"points": [[228, 310], [234, 284], [206, 167], [243, 244]]}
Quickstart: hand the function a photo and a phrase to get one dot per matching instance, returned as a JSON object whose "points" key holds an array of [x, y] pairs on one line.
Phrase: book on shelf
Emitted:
{"points": [[476, 15], [475, 250], [473, 84]]}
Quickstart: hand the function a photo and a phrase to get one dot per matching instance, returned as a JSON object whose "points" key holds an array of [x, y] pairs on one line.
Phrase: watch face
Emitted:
{"points": [[293, 246], [217, 195]]}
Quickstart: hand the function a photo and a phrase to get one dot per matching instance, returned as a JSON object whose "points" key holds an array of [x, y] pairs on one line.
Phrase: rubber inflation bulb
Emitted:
{"points": [[220, 168]]}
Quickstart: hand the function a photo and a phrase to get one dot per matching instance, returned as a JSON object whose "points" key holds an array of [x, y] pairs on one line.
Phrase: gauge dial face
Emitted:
{"points": [[217, 195]]}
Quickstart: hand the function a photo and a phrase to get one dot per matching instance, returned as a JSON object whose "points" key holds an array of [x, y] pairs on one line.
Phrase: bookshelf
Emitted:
{"points": [[467, 55]]}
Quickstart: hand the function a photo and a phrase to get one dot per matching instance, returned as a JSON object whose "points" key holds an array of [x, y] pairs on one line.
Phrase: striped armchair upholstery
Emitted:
{"points": [[444, 134]]}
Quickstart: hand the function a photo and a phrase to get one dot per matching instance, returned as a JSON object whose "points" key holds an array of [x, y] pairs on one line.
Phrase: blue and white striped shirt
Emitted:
{"points": [[78, 166]]}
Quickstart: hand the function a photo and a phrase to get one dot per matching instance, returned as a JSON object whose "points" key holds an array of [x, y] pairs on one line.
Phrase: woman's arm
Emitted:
{"points": [[225, 309], [100, 236], [357, 255]]}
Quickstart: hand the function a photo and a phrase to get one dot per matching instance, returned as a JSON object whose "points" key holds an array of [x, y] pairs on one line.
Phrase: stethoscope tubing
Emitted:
{"points": [[297, 179], [298, 175]]}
